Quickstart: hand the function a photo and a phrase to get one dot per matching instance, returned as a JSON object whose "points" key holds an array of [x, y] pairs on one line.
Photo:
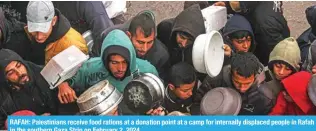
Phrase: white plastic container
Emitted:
{"points": [[63, 66], [208, 53], [215, 18], [115, 7]]}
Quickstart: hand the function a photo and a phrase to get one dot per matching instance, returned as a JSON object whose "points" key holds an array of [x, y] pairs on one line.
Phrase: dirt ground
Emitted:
{"points": [[294, 12]]}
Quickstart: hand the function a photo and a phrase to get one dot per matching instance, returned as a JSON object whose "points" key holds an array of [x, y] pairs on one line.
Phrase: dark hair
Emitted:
{"points": [[181, 73], [145, 22], [239, 34], [245, 63]]}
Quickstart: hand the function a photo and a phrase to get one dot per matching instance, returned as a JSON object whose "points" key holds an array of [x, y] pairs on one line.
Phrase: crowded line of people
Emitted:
{"points": [[266, 70]]}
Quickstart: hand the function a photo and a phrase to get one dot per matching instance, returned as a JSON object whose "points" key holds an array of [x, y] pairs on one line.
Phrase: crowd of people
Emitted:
{"points": [[256, 44]]}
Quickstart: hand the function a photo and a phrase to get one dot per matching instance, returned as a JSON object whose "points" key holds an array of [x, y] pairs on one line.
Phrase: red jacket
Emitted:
{"points": [[296, 86]]}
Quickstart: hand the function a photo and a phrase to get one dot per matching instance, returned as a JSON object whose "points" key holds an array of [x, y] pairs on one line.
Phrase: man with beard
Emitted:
{"points": [[23, 87]]}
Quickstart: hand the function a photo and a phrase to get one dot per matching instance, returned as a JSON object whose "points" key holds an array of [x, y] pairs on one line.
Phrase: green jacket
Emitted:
{"points": [[93, 70]]}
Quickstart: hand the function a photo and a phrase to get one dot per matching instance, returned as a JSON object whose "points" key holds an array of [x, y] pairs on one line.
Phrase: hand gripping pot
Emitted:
{"points": [[89, 39], [143, 93], [208, 53], [221, 101], [99, 99]]}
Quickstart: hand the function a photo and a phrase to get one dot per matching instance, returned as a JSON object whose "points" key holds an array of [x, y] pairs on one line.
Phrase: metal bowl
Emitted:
{"points": [[144, 93], [95, 95]]}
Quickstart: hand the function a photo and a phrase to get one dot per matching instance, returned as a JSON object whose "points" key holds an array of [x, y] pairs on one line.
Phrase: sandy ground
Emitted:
{"points": [[294, 12]]}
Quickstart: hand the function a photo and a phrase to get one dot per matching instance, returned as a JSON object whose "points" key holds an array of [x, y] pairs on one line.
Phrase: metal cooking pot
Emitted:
{"points": [[221, 101], [143, 93], [101, 98], [89, 39]]}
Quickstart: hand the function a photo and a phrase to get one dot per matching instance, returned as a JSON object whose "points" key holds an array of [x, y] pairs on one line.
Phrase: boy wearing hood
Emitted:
{"points": [[51, 31], [117, 64], [294, 99], [284, 61], [23, 87], [241, 75], [238, 36]]}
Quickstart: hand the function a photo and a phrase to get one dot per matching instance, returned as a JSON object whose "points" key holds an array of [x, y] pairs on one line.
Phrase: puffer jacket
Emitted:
{"points": [[258, 100], [62, 37]]}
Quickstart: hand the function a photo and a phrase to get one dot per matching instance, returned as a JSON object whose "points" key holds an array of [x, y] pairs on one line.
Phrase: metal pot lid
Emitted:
{"points": [[221, 101], [95, 95]]}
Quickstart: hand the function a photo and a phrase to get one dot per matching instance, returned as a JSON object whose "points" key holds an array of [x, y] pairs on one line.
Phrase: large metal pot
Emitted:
{"points": [[221, 101], [99, 99], [143, 93]]}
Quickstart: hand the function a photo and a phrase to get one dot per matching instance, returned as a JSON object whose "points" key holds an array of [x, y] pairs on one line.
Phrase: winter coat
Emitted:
{"points": [[307, 37], [94, 70], [234, 24], [13, 35], [62, 37], [36, 96], [158, 55], [86, 15], [256, 101], [189, 21], [296, 87]]}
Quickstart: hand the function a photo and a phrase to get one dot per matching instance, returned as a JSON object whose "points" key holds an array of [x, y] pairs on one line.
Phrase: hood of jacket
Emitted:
{"points": [[288, 52], [296, 86], [311, 18], [7, 56], [118, 42], [238, 23], [61, 27], [189, 21]]}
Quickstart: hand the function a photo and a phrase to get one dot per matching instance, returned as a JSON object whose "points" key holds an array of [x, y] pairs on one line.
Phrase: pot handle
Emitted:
{"points": [[135, 74]]}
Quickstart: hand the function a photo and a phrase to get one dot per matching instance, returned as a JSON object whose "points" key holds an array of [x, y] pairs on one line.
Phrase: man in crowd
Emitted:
{"points": [[238, 36], [270, 27], [117, 64], [284, 61], [23, 87], [142, 32], [51, 31], [182, 85], [242, 75]]}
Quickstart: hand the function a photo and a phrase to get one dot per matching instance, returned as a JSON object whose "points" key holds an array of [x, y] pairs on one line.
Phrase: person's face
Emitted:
{"points": [[243, 44], [141, 43], [281, 71], [118, 66], [242, 84], [16, 73], [182, 40], [41, 37], [113, 112], [183, 91]]}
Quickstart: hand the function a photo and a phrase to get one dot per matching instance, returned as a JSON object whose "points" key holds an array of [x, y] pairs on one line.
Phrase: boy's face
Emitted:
{"points": [[242, 44]]}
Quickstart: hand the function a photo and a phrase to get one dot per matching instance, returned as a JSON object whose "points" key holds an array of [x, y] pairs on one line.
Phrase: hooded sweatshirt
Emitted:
{"points": [[238, 23], [286, 52], [62, 37], [95, 69], [191, 22], [296, 87], [35, 96]]}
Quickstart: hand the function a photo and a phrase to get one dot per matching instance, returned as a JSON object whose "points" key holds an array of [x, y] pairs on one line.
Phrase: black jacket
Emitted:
{"points": [[158, 55], [308, 36], [36, 96], [13, 35], [86, 15], [258, 100]]}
